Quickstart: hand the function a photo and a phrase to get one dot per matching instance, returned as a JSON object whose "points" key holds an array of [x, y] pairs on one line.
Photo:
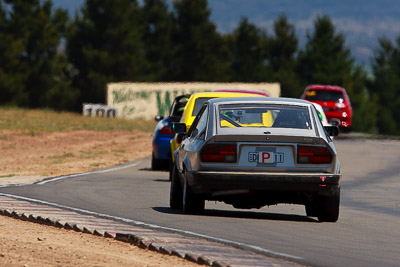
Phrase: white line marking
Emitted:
{"points": [[154, 226], [9, 185], [87, 173]]}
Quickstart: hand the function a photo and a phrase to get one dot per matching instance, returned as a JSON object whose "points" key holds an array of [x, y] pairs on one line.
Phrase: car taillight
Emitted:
{"points": [[166, 130], [313, 154], [219, 153]]}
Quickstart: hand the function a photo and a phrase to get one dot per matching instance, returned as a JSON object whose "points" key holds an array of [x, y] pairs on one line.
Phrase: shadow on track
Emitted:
{"points": [[151, 170], [156, 180], [162, 180], [242, 215]]}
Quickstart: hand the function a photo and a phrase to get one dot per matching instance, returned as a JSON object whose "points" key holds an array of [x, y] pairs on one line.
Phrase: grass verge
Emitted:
{"points": [[33, 121]]}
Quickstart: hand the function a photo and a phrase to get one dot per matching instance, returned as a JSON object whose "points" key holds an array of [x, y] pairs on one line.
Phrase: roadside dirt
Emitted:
{"points": [[27, 158]]}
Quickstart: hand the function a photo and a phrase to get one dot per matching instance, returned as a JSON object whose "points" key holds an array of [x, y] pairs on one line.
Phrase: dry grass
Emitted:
{"points": [[48, 143], [33, 121]]}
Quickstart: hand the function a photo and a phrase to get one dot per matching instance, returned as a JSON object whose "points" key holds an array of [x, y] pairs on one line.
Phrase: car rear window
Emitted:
{"points": [[198, 104], [279, 116], [324, 95]]}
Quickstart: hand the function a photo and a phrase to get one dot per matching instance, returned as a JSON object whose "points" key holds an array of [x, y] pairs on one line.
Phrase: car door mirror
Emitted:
{"points": [[179, 128], [158, 118], [332, 130]]}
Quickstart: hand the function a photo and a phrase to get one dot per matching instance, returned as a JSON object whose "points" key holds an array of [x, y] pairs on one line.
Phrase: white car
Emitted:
{"points": [[252, 152], [321, 114]]}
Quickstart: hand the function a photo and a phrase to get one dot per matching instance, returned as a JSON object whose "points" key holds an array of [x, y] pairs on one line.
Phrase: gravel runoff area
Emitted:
{"points": [[28, 158]]}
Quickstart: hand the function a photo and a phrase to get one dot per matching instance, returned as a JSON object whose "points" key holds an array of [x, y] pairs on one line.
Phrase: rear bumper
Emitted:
{"points": [[344, 122], [212, 183]]}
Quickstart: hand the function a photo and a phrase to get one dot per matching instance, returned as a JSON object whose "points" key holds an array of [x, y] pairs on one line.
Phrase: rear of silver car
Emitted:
{"points": [[250, 167]]}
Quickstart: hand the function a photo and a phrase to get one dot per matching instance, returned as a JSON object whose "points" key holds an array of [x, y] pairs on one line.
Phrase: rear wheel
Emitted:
{"points": [[312, 208], [175, 193], [170, 168], [156, 164], [329, 210], [192, 203]]}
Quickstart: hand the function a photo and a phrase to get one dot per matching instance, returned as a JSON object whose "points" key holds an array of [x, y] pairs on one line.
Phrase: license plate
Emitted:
{"points": [[265, 157]]}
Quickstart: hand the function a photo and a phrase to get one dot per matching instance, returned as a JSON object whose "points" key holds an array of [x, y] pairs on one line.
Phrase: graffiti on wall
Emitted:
{"points": [[145, 100], [164, 100], [124, 96]]}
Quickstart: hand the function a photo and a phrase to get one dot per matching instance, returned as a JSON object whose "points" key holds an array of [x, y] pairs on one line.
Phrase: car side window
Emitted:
{"points": [[200, 124]]}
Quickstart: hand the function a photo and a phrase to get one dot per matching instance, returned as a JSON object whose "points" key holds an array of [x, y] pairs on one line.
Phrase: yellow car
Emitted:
{"points": [[192, 108], [230, 119]]}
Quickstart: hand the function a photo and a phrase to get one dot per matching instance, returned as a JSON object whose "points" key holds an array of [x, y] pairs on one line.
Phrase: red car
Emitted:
{"points": [[334, 101]]}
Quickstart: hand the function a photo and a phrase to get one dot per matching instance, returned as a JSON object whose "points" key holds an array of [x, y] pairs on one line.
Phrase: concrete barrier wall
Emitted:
{"points": [[145, 100]]}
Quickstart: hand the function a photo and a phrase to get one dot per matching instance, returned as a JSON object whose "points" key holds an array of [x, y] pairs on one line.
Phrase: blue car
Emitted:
{"points": [[162, 134]]}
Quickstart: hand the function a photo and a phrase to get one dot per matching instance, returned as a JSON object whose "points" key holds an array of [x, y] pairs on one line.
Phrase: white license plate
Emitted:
{"points": [[265, 157]]}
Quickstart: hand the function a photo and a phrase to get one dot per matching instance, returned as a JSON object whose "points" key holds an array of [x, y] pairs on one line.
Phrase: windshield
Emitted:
{"points": [[324, 95], [279, 116], [198, 104]]}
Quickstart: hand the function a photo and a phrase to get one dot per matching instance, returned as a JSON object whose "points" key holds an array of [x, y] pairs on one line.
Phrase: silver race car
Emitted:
{"points": [[251, 152]]}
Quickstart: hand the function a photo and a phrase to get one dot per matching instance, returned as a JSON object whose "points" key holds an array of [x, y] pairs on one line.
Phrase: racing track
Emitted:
{"points": [[367, 233]]}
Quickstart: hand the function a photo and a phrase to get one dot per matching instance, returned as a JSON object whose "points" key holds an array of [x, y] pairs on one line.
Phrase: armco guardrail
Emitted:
{"points": [[145, 100], [99, 110]]}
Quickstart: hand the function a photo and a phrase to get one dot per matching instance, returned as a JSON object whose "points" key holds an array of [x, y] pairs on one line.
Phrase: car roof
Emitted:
{"points": [[219, 94], [243, 91], [261, 100]]}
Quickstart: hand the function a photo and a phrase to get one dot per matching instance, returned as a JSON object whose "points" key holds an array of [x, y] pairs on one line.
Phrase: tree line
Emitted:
{"points": [[51, 60]]}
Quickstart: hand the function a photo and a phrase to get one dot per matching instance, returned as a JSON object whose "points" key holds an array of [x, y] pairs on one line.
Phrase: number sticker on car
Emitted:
{"points": [[265, 157]]}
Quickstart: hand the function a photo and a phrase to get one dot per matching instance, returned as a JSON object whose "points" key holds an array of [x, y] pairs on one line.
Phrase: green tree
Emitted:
{"points": [[282, 49], [199, 53], [105, 45], [326, 60], [157, 37], [12, 87], [386, 85], [363, 103], [248, 53], [36, 70]]}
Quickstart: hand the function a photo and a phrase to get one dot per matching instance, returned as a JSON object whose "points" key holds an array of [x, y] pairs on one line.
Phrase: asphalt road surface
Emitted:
{"points": [[367, 233]]}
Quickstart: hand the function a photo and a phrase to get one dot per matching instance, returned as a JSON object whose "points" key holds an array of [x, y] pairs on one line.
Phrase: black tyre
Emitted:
{"points": [[156, 164], [175, 193], [329, 211], [170, 168], [192, 203], [312, 208]]}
